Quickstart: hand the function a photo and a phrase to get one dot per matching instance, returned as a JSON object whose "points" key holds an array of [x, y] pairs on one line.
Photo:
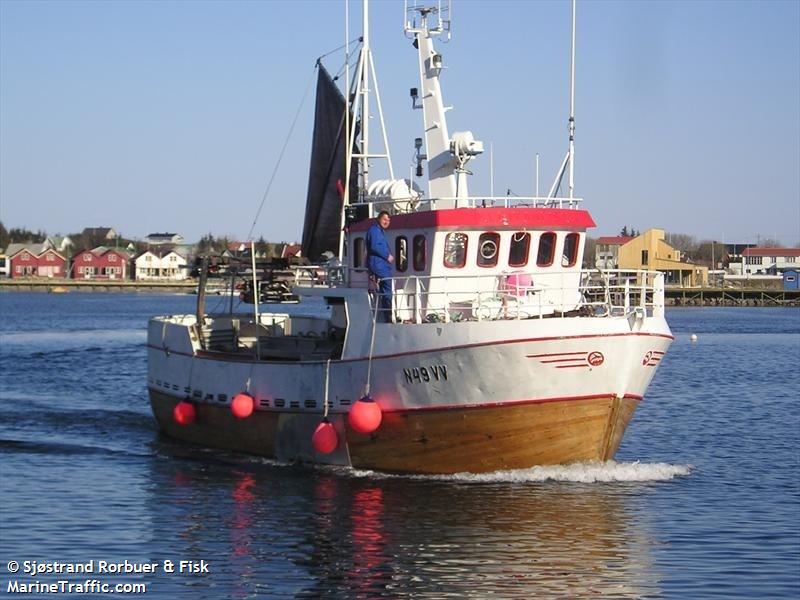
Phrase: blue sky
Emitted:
{"points": [[152, 116]]}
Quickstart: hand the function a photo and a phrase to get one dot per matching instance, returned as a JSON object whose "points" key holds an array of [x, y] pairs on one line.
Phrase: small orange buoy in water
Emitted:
{"points": [[242, 406], [184, 413], [365, 415], [325, 439]]}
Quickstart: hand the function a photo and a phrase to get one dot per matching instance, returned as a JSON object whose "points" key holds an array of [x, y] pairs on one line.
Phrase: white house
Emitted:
{"points": [[169, 266], [606, 251], [769, 261]]}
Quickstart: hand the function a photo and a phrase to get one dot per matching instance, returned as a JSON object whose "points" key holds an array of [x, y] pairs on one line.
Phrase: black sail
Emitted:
{"points": [[326, 173]]}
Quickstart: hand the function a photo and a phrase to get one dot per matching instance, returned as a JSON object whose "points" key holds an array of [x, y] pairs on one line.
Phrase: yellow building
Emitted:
{"points": [[650, 251]]}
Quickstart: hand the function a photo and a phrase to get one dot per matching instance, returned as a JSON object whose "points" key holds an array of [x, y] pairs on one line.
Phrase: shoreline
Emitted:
{"points": [[56, 286], [674, 296]]}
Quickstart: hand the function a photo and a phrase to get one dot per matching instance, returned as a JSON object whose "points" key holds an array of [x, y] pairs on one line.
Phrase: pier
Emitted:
{"points": [[730, 296], [97, 285], [675, 296]]}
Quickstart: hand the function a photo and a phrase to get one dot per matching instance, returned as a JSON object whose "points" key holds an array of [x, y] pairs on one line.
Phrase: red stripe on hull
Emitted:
{"points": [[223, 356]]}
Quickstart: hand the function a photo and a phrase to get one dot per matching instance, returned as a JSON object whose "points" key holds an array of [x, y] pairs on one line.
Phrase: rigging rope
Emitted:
{"points": [[371, 347], [350, 43], [289, 135], [280, 156]]}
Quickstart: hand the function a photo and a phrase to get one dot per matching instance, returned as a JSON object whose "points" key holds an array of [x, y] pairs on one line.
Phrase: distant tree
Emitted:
{"points": [[21, 235], [4, 238], [206, 245], [262, 246], [624, 231], [711, 253], [687, 244]]}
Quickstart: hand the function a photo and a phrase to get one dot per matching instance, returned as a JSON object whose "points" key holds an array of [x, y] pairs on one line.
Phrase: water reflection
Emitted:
{"points": [[290, 532]]}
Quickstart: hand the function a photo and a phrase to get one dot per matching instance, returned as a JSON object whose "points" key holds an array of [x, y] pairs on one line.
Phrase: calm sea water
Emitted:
{"points": [[703, 501]]}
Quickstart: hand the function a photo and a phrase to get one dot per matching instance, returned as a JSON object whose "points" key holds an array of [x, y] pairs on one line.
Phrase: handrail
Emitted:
{"points": [[407, 205], [513, 294]]}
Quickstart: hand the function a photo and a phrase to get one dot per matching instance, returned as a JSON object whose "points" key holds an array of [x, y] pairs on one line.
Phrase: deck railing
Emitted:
{"points": [[511, 295]]}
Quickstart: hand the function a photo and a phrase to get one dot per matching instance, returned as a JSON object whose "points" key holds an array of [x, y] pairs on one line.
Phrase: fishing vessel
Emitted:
{"points": [[498, 350]]}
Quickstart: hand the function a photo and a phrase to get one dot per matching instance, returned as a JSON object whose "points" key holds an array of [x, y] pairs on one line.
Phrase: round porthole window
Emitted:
{"points": [[488, 250]]}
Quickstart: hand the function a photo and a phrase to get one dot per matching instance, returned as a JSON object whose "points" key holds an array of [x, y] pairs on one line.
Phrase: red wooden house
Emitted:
{"points": [[100, 263], [36, 260]]}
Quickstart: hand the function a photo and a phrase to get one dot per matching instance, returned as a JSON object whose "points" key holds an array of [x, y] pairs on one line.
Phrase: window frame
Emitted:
{"points": [[577, 237], [539, 261], [527, 236], [446, 263], [401, 257], [359, 252], [484, 237], [414, 256]]}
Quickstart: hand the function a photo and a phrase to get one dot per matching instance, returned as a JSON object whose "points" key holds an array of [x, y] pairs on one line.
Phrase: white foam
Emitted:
{"points": [[590, 472]]}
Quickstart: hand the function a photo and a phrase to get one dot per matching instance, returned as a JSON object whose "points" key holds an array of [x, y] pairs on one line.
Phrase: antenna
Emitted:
{"points": [[569, 159], [491, 169], [572, 109]]}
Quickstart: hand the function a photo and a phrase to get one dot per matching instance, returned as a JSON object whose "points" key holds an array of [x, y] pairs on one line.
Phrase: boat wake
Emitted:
{"points": [[589, 472]]}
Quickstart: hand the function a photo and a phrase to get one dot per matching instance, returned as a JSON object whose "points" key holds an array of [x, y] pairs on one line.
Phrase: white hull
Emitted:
{"points": [[417, 369]]}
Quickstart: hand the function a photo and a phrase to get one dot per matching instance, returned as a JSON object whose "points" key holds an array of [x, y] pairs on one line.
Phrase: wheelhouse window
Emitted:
{"points": [[518, 252], [570, 256], [645, 257], [547, 246], [359, 253], [488, 249], [455, 250], [401, 252], [420, 249]]}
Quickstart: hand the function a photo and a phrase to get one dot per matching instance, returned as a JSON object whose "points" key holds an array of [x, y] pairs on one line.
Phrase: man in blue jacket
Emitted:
{"points": [[379, 262]]}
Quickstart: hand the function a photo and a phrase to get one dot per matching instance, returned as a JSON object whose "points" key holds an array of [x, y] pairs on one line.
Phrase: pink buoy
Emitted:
{"points": [[517, 284], [325, 439], [242, 406], [365, 415], [184, 413]]}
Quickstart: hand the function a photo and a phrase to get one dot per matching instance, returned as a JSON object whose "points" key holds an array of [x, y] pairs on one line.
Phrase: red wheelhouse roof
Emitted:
{"points": [[489, 218]]}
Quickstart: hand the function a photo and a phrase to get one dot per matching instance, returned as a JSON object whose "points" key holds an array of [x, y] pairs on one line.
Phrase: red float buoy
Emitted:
{"points": [[325, 439], [184, 413], [365, 415], [242, 406]]}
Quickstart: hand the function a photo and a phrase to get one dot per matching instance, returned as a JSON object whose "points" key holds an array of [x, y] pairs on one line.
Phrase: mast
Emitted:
{"points": [[348, 145], [365, 83], [569, 159], [447, 156], [357, 129], [572, 109], [441, 174]]}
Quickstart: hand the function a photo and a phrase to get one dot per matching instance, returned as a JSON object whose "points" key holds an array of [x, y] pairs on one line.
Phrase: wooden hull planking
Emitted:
{"points": [[456, 440]]}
